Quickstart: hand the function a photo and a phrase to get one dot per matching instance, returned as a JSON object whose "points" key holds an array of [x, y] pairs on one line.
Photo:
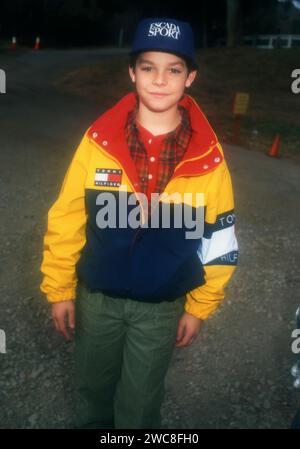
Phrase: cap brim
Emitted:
{"points": [[180, 55]]}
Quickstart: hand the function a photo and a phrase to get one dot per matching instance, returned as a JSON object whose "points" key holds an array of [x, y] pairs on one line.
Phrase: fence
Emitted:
{"points": [[271, 41]]}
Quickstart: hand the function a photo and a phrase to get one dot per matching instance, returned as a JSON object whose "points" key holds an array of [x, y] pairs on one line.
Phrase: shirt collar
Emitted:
{"points": [[180, 135]]}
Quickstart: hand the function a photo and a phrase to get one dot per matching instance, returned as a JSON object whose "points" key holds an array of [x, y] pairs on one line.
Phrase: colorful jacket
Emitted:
{"points": [[147, 263]]}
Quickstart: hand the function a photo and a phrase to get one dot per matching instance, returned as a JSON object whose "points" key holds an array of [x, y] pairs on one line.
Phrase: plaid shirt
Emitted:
{"points": [[173, 148]]}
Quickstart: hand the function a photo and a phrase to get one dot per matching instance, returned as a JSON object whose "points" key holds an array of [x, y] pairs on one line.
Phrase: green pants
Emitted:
{"points": [[122, 352]]}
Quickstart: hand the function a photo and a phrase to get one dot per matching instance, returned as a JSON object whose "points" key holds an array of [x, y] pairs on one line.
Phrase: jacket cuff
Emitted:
{"points": [[59, 296], [202, 311]]}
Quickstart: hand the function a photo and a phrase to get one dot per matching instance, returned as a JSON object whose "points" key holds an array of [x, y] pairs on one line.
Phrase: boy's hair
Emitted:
{"points": [[191, 65]]}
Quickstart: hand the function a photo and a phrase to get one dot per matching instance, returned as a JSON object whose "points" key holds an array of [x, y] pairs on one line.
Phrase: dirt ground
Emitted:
{"points": [[237, 372]]}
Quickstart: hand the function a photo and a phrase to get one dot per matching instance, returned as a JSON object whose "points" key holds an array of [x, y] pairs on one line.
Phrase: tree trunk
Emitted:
{"points": [[233, 25], [204, 24]]}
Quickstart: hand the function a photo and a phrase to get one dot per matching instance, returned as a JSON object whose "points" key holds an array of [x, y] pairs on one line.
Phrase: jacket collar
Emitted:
{"points": [[201, 156]]}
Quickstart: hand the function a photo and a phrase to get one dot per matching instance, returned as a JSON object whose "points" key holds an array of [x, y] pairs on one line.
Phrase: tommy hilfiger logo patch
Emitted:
{"points": [[108, 177]]}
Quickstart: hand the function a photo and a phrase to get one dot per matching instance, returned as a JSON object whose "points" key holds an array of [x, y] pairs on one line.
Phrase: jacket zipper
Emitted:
{"points": [[172, 179]]}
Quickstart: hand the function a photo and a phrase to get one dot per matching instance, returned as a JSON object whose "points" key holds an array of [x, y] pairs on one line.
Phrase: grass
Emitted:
{"points": [[264, 74]]}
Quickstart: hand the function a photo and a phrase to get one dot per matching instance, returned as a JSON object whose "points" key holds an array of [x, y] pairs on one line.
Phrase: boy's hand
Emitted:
{"points": [[63, 314], [188, 329]]}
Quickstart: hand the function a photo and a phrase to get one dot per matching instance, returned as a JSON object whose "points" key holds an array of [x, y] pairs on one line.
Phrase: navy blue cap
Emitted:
{"points": [[170, 35]]}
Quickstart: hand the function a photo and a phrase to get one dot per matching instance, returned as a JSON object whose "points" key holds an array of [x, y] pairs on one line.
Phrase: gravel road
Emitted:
{"points": [[237, 372]]}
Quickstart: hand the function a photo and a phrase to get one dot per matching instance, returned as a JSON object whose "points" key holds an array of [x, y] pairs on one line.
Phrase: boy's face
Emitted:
{"points": [[160, 79]]}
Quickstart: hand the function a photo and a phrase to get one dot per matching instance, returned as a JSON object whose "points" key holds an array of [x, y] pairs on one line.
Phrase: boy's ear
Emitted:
{"points": [[190, 78], [131, 74]]}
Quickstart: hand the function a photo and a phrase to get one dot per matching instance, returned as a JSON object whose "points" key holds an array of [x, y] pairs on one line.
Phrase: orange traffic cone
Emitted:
{"points": [[37, 43], [13, 44], [273, 151]]}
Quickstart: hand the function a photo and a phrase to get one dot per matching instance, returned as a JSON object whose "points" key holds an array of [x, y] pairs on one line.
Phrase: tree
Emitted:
{"points": [[233, 22]]}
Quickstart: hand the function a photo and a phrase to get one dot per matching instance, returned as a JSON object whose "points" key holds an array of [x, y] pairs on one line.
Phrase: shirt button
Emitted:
{"points": [[95, 135], [104, 142], [205, 166], [152, 158], [150, 141], [150, 176]]}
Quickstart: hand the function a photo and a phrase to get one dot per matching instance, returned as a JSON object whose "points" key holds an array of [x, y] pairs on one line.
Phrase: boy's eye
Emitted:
{"points": [[175, 71], [149, 68]]}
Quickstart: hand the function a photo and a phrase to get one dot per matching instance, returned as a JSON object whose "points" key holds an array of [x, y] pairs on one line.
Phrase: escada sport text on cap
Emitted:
{"points": [[167, 35]]}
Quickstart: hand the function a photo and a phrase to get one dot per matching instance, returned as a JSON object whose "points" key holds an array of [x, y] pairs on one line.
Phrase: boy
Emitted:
{"points": [[144, 288]]}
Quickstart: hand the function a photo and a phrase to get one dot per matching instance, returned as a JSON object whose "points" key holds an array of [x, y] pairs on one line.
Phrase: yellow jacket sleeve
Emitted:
{"points": [[65, 235], [218, 250]]}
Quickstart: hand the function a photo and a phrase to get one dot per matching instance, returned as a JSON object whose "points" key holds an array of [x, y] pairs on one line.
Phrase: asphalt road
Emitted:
{"points": [[237, 372]]}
